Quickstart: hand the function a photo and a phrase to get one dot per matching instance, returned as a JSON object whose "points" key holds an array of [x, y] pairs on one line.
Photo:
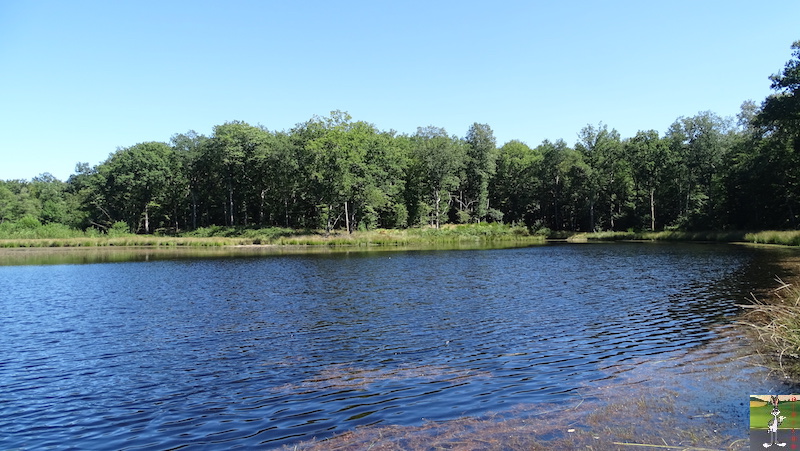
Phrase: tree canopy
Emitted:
{"points": [[704, 172]]}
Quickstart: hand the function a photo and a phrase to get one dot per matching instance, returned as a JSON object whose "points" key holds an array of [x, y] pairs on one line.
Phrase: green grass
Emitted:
{"points": [[61, 236], [472, 233], [667, 235], [35, 230], [31, 233], [133, 240], [785, 238]]}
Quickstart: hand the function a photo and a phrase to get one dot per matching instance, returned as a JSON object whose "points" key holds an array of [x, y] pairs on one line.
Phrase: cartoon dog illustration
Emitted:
{"points": [[773, 424]]}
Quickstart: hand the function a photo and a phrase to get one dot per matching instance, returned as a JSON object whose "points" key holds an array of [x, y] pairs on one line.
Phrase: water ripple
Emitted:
{"points": [[269, 351]]}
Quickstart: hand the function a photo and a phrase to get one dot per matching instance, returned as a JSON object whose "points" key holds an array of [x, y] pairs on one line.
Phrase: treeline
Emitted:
{"points": [[704, 172]]}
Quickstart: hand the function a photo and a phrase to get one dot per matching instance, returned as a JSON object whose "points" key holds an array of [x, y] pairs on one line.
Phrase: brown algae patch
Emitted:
{"points": [[597, 418], [343, 376], [643, 404], [641, 422]]}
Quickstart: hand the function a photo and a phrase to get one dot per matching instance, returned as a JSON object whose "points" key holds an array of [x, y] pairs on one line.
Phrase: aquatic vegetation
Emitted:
{"points": [[642, 412], [776, 323], [644, 421], [343, 376]]}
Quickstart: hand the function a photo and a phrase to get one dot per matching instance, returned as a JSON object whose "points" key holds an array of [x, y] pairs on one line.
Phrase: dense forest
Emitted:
{"points": [[705, 172]]}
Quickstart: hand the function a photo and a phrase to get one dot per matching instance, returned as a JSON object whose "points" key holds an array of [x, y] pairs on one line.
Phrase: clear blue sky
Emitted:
{"points": [[78, 79]]}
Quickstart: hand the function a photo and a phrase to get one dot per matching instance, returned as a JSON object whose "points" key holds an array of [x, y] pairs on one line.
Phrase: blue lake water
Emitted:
{"points": [[270, 350]]}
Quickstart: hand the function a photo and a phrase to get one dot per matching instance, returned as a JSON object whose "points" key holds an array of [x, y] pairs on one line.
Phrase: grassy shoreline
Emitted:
{"points": [[46, 236], [227, 236], [776, 237]]}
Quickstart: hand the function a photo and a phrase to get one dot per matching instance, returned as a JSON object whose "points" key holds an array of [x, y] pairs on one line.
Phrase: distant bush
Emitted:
{"points": [[265, 235], [29, 227], [268, 234], [211, 231], [119, 228], [28, 222]]}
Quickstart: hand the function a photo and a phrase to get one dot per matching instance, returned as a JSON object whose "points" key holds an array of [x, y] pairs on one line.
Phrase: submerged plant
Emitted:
{"points": [[645, 422]]}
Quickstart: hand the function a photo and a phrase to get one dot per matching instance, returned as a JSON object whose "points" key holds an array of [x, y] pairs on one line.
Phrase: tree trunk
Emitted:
{"points": [[611, 198], [286, 210], [653, 209], [261, 208], [556, 209], [347, 218], [437, 200], [328, 224], [230, 204], [611, 215], [194, 210]]}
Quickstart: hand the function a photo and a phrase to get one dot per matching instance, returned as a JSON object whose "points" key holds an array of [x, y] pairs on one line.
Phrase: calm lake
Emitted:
{"points": [[258, 350]]}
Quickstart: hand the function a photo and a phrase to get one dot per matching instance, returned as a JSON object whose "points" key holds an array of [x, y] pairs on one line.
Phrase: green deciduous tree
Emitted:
{"points": [[380, 195], [780, 112], [355, 173], [606, 182], [229, 162], [699, 144], [138, 185], [517, 183], [86, 189], [479, 167], [649, 159], [188, 149], [282, 182], [340, 164], [52, 196], [437, 162], [8, 201], [779, 147], [563, 185]]}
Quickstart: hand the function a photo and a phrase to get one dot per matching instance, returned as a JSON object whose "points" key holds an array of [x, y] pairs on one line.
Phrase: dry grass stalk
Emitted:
{"points": [[776, 323]]}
